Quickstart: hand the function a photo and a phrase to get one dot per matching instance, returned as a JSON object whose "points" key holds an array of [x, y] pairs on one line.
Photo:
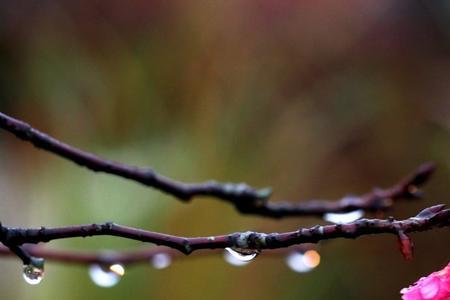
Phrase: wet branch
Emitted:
{"points": [[246, 199], [99, 257], [127, 258], [147, 176], [432, 217], [375, 201]]}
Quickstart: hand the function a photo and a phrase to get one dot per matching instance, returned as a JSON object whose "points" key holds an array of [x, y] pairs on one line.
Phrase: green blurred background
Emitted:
{"points": [[317, 99]]}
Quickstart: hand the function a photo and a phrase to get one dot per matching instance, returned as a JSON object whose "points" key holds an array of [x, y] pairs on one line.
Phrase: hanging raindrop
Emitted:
{"points": [[32, 274], [413, 190], [303, 262], [106, 276], [240, 257], [161, 261], [342, 218]]}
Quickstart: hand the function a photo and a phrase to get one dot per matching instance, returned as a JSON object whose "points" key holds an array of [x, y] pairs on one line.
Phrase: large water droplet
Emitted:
{"points": [[161, 260], [240, 257], [342, 218], [106, 276], [32, 275], [303, 262]]}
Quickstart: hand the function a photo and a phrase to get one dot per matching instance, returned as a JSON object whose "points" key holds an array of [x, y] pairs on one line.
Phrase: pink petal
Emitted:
{"points": [[411, 293], [435, 286], [429, 289]]}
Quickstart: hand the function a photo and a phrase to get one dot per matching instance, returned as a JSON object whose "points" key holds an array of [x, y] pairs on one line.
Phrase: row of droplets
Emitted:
{"points": [[101, 275], [110, 275]]}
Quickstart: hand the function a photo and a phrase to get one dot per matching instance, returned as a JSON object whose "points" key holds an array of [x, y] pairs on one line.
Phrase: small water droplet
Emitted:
{"points": [[240, 257], [106, 276], [342, 218], [32, 274], [303, 262], [414, 190], [161, 260]]}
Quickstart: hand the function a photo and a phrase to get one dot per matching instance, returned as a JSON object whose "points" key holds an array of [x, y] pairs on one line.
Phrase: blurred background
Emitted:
{"points": [[316, 99]]}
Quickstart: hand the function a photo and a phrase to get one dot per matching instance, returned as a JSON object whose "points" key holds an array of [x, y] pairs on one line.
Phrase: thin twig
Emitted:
{"points": [[99, 257], [375, 201], [147, 176], [245, 198], [435, 216], [126, 257]]}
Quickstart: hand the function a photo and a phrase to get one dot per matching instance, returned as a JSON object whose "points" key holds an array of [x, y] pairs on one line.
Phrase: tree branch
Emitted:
{"points": [[125, 257], [375, 201], [435, 216], [146, 176], [20, 253], [100, 257], [245, 198]]}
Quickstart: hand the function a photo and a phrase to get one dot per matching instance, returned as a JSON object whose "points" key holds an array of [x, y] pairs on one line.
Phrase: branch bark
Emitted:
{"points": [[432, 217], [127, 258], [375, 201], [246, 199]]}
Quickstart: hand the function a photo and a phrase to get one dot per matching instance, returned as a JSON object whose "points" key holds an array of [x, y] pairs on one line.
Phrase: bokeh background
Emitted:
{"points": [[317, 99]]}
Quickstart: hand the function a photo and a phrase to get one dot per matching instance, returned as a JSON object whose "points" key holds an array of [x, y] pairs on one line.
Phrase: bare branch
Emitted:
{"points": [[245, 198], [435, 216], [126, 257], [20, 253], [184, 191], [375, 201], [100, 257]]}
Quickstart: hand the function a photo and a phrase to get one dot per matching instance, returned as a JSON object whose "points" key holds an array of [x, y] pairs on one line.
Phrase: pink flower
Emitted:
{"points": [[435, 286]]}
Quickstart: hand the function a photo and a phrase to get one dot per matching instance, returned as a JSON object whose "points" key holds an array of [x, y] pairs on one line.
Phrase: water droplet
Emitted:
{"points": [[106, 276], [240, 257], [342, 218], [232, 260], [32, 275], [161, 260], [414, 190], [303, 262]]}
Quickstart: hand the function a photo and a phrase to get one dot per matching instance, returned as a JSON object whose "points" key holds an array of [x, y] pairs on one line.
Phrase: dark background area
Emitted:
{"points": [[318, 99]]}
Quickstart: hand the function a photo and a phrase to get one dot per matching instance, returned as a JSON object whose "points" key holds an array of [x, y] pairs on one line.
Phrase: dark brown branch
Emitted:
{"points": [[20, 253], [124, 257], [246, 199], [101, 257], [185, 191], [26, 257], [375, 201], [435, 216]]}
